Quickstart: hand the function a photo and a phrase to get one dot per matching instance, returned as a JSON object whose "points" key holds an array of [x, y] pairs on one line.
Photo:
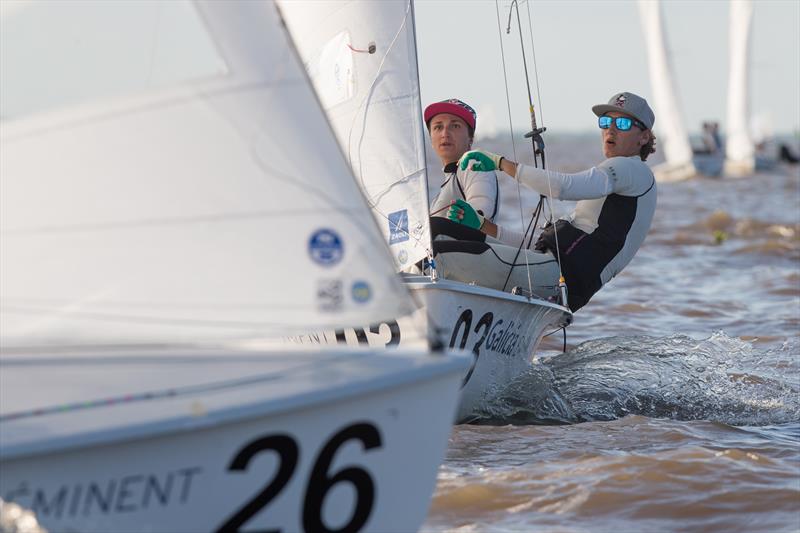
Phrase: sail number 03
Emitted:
{"points": [[320, 482], [465, 321]]}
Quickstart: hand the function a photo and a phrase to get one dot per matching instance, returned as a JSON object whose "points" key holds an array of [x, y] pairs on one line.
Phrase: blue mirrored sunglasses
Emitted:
{"points": [[622, 123]]}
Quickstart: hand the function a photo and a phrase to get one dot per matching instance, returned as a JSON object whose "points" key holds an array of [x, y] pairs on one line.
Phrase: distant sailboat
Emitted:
{"points": [[169, 197], [672, 134], [740, 154]]}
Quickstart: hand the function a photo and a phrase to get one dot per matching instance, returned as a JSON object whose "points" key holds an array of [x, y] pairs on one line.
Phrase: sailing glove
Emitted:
{"points": [[481, 161], [463, 213]]}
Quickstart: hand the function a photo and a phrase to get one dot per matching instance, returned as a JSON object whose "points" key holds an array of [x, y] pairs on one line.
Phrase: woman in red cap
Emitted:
{"points": [[451, 124]]}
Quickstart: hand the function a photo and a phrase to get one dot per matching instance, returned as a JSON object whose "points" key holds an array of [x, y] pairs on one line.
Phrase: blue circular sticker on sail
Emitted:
{"points": [[361, 291], [325, 247]]}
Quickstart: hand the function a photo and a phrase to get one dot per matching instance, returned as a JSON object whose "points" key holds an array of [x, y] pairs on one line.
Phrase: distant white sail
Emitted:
{"points": [[196, 210], [739, 149], [362, 58], [672, 134]]}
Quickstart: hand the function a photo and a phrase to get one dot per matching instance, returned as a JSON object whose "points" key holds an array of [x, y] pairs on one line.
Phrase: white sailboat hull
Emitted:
{"points": [[667, 172], [501, 330], [362, 451]]}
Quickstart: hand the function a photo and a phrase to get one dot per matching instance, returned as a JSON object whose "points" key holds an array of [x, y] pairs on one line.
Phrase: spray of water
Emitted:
{"points": [[720, 379]]}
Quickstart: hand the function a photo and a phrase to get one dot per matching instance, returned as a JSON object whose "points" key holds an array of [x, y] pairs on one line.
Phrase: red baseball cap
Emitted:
{"points": [[452, 106]]}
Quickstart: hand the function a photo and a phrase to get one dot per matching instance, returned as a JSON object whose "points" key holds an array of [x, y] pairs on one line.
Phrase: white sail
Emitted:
{"points": [[189, 212], [672, 134], [361, 56], [739, 149]]}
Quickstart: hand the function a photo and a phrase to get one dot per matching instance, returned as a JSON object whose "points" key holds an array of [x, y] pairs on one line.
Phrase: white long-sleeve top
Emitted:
{"points": [[479, 189], [616, 203]]}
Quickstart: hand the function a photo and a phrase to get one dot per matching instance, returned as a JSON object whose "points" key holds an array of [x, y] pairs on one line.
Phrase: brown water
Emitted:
{"points": [[677, 404]]}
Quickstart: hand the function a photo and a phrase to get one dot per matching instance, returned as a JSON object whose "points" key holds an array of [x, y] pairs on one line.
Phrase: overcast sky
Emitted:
{"points": [[588, 50]]}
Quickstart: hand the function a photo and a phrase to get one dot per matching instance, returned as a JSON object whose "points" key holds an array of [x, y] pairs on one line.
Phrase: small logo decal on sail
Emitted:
{"points": [[325, 247], [402, 256], [361, 292], [398, 226], [329, 294]]}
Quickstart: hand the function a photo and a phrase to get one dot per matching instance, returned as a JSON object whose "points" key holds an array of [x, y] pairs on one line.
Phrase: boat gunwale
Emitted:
{"points": [[436, 367], [424, 282]]}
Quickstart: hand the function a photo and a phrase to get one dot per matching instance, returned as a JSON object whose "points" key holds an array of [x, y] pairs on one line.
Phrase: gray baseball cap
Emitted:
{"points": [[629, 104]]}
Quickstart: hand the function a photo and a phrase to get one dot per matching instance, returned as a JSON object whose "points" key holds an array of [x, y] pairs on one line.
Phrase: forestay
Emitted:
{"points": [[361, 56], [194, 211]]}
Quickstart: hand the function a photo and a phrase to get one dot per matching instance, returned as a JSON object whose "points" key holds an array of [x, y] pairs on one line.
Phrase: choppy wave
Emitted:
{"points": [[747, 234], [721, 379], [631, 474]]}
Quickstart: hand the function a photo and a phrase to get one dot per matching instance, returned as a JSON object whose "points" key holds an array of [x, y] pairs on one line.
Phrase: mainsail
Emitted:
{"points": [[361, 56], [739, 149], [190, 212], [669, 124]]}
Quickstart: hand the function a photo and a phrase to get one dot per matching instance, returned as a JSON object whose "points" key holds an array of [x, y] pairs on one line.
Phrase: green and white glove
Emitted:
{"points": [[463, 213], [482, 161]]}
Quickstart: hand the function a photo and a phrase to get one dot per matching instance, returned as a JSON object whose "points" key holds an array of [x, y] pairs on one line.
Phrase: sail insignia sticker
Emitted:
{"points": [[361, 292], [325, 247], [329, 295], [398, 226]]}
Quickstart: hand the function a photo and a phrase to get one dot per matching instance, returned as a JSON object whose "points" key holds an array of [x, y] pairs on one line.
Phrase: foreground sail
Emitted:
{"points": [[671, 129], [171, 197], [361, 56]]}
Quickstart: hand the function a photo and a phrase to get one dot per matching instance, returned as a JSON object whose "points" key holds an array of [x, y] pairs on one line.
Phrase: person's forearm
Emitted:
{"points": [[509, 167], [489, 228]]}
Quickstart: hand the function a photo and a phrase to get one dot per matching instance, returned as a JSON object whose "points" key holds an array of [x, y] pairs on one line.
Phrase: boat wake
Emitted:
{"points": [[720, 379]]}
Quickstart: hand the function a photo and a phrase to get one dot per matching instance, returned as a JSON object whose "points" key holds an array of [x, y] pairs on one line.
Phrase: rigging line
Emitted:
{"points": [[561, 280], [535, 134], [508, 98], [403, 179], [515, 4], [421, 147], [535, 69], [514, 150], [564, 329]]}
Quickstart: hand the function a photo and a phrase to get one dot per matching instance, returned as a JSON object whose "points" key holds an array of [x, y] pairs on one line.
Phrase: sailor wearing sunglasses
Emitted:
{"points": [[616, 202]]}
